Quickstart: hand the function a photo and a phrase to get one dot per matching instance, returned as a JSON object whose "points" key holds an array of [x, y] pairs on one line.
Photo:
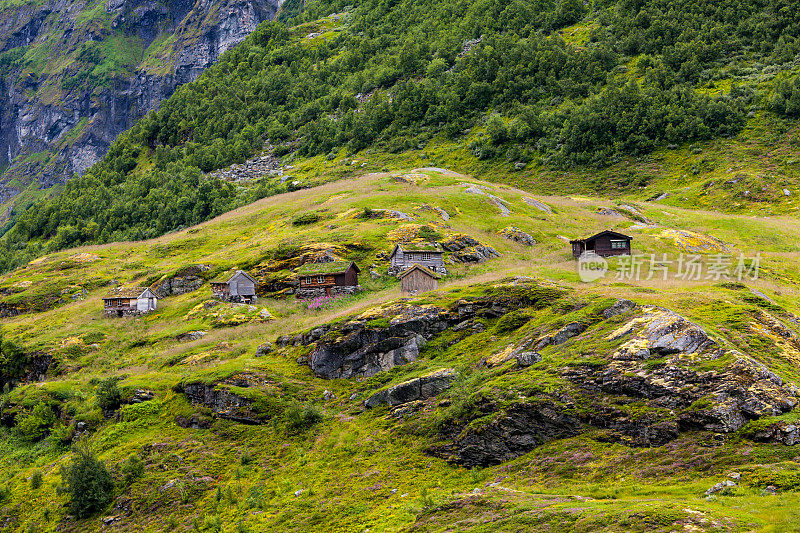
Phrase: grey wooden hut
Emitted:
{"points": [[418, 279], [404, 256], [129, 301], [237, 287]]}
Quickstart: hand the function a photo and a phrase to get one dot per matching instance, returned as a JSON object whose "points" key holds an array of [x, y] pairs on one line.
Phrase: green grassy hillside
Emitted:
{"points": [[613, 98], [235, 439]]}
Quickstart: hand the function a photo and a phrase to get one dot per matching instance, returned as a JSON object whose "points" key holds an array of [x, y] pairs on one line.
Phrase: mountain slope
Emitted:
{"points": [[236, 430], [76, 74], [535, 88]]}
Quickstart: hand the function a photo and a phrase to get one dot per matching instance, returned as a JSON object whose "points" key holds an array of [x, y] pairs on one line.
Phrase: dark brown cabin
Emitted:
{"points": [[605, 244], [331, 279], [418, 279]]}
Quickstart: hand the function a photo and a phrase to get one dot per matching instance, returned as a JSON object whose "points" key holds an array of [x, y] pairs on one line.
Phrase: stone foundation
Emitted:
{"points": [[317, 292], [114, 313]]}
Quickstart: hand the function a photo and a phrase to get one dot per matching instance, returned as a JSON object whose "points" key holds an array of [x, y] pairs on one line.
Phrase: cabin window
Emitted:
{"points": [[619, 245], [308, 280], [320, 279], [426, 257]]}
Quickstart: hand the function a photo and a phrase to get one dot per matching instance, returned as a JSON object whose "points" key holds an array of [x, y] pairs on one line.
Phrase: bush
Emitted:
{"points": [[109, 397], [305, 218], [36, 479], [35, 425], [429, 234], [300, 417], [132, 469], [88, 483]]}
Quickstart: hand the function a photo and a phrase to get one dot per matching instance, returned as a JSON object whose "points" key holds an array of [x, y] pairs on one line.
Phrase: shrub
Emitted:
{"points": [[88, 483], [429, 234], [301, 417], [109, 397], [36, 480], [35, 425], [305, 218], [132, 469]]}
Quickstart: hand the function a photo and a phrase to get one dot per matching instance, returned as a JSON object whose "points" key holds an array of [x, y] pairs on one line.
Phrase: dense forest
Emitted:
{"points": [[404, 71]]}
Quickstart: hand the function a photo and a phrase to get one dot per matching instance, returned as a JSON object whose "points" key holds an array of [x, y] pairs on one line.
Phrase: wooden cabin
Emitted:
{"points": [[129, 301], [605, 244], [404, 256], [237, 287], [333, 278], [418, 279]]}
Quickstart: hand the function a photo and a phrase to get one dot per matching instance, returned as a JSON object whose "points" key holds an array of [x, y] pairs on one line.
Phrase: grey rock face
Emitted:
{"points": [[620, 307], [525, 359], [186, 280], [721, 401], [95, 115], [561, 336], [221, 401], [420, 388]]}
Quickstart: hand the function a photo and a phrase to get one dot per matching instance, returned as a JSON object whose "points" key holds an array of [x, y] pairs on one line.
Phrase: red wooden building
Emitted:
{"points": [[605, 244]]}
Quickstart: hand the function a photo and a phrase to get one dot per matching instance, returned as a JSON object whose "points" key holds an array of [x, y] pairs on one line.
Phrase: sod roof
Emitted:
{"points": [[333, 267]]}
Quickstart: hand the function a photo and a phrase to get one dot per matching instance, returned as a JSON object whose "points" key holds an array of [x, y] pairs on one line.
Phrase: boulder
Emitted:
{"points": [[142, 395], [722, 485], [513, 233], [620, 307], [466, 249], [264, 349], [191, 335], [420, 388], [561, 336]]}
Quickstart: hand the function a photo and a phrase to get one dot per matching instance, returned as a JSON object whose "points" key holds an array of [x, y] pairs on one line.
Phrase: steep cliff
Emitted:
{"points": [[75, 74]]}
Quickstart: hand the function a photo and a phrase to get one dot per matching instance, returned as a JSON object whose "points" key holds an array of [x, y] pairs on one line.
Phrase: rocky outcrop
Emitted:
{"points": [[28, 367], [222, 401], [561, 336], [421, 388], [253, 169], [519, 430], [779, 432], [392, 335], [513, 233], [76, 124], [465, 249], [191, 335], [620, 307], [185, 280], [672, 396]]}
